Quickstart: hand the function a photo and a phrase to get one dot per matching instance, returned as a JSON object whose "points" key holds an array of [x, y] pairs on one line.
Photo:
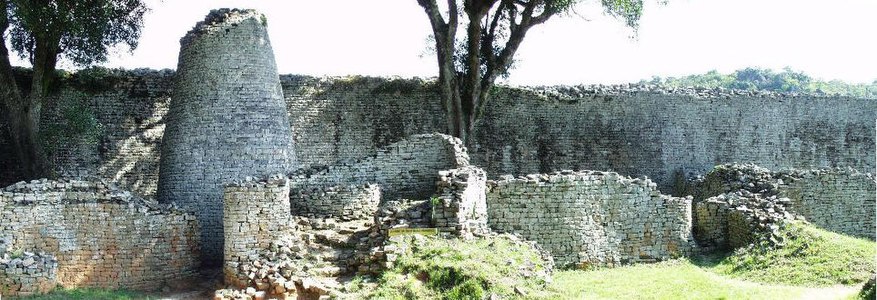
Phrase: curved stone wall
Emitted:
{"points": [[256, 213], [347, 202], [405, 169], [227, 119], [587, 219], [100, 236]]}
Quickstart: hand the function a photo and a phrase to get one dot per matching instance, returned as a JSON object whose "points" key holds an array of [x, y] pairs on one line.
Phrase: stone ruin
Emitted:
{"points": [[227, 119], [297, 231], [91, 234]]}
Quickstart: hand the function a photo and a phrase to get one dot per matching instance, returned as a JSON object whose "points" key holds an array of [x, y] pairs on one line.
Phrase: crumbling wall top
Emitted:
{"points": [[220, 19]]}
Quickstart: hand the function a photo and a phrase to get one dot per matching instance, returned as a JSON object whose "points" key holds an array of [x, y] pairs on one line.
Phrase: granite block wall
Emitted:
{"points": [[227, 119], [633, 130], [837, 200], [27, 274], [405, 169], [101, 236], [587, 219], [738, 219], [647, 131], [256, 213], [345, 202], [461, 208]]}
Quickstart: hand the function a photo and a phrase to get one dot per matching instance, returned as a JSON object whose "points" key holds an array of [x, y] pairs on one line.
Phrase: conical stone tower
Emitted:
{"points": [[227, 119]]}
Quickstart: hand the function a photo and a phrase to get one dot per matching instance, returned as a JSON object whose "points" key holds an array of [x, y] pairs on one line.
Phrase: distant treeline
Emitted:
{"points": [[768, 80]]}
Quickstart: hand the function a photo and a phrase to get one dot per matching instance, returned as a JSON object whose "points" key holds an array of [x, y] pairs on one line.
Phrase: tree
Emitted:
{"points": [[44, 31], [494, 30]]}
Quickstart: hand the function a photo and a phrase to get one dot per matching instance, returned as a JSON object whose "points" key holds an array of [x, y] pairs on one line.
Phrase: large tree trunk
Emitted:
{"points": [[23, 114]]}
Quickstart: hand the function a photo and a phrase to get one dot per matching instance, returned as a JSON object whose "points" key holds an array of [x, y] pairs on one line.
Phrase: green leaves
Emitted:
{"points": [[80, 31], [628, 10]]}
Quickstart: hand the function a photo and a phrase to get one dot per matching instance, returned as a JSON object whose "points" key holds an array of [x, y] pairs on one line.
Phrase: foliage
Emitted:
{"points": [[476, 41], [438, 268], [94, 79], [80, 31], [787, 80], [89, 294], [674, 279], [810, 256], [77, 123]]}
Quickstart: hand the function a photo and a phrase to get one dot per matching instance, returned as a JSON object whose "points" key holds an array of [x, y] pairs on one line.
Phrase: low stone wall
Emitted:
{"points": [[462, 202], [839, 200], [346, 202], [27, 274], [591, 218], [256, 212], [405, 169], [101, 236], [734, 220]]}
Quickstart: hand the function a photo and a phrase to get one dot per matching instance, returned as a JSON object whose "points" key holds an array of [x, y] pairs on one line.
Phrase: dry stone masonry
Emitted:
{"points": [[634, 130], [227, 119], [346, 202], [256, 213], [100, 236], [738, 219], [405, 169], [587, 219], [840, 200], [461, 207], [27, 273]]}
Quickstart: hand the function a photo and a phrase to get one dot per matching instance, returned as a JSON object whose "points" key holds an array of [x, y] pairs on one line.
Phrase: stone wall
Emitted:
{"points": [[405, 169], [27, 274], [461, 207], [839, 200], [227, 119], [101, 236], [633, 130], [346, 202], [642, 130], [256, 213], [589, 219], [734, 220]]}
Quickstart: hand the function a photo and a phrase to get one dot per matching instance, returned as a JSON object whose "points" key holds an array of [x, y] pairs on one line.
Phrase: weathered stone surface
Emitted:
{"points": [[405, 169], [634, 130], [461, 207], [27, 274], [256, 213], [738, 219], [101, 236], [839, 200], [347, 202], [227, 119], [591, 218]]}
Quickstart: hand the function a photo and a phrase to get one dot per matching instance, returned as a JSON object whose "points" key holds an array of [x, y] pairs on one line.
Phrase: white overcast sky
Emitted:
{"points": [[828, 39]]}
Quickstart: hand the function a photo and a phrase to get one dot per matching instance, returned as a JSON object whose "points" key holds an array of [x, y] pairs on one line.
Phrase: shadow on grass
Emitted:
{"points": [[709, 260], [88, 293]]}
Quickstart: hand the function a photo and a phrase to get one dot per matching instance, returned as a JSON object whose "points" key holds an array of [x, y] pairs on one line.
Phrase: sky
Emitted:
{"points": [[827, 39]]}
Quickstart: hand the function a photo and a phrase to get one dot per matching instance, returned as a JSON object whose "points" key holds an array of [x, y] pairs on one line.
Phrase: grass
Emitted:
{"points": [[88, 294], [437, 268], [812, 257], [676, 279], [814, 262]]}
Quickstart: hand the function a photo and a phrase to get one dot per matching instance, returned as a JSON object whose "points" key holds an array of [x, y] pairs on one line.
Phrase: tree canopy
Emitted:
{"points": [[44, 31], [470, 61], [787, 80]]}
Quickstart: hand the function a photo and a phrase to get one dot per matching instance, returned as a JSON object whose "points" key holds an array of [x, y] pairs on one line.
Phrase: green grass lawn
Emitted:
{"points": [[811, 257], [89, 294], [677, 279], [814, 264]]}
